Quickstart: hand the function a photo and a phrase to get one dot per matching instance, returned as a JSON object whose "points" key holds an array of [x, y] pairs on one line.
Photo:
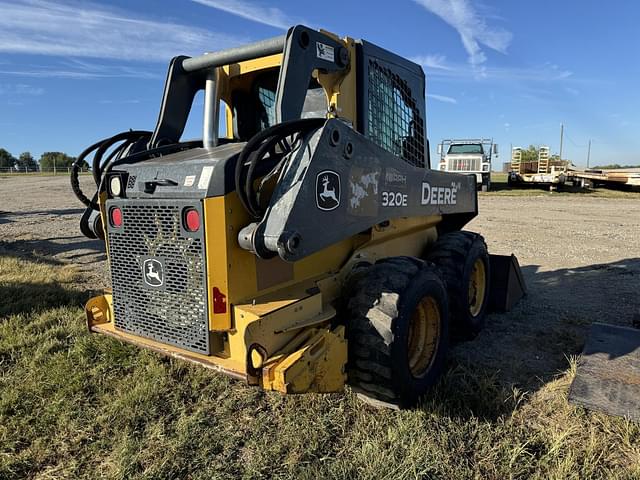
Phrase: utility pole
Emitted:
{"points": [[588, 153], [561, 138]]}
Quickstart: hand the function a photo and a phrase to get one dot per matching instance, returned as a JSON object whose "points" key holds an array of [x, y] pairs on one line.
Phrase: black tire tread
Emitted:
{"points": [[449, 253], [371, 320]]}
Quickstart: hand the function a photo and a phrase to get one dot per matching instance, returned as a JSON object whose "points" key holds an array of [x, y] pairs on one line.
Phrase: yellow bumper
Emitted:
{"points": [[312, 360]]}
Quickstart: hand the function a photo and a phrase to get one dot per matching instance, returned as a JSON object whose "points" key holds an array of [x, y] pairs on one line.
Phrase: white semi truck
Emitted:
{"points": [[470, 156]]}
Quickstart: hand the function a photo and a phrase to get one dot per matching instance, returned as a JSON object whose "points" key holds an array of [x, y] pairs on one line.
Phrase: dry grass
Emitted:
{"points": [[75, 405]]}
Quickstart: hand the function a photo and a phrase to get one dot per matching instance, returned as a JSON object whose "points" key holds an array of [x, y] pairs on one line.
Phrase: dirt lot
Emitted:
{"points": [[39, 216], [580, 256], [75, 405]]}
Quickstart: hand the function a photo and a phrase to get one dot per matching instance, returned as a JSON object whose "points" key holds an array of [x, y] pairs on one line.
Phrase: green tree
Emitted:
{"points": [[26, 161], [530, 154], [6, 159], [59, 160]]}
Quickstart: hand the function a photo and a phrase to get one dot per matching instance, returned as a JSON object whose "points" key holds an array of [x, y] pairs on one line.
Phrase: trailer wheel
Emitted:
{"points": [[464, 261], [397, 331]]}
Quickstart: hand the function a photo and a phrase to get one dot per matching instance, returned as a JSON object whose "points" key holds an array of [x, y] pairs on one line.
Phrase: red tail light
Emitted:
{"points": [[219, 301], [115, 217], [191, 220]]}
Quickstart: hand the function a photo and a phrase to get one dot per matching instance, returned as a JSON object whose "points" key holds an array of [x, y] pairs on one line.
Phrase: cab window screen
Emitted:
{"points": [[394, 122], [267, 99]]}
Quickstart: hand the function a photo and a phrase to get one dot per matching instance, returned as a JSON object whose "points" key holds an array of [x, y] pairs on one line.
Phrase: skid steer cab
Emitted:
{"points": [[304, 242]]}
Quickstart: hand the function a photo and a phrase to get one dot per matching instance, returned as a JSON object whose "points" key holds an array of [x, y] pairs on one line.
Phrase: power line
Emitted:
{"points": [[573, 142]]}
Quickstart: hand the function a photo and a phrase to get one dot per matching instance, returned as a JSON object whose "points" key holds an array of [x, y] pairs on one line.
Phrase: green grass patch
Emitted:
{"points": [[80, 405]]}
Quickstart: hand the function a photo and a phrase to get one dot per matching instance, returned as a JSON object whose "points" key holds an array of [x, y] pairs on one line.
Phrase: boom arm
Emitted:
{"points": [[338, 183]]}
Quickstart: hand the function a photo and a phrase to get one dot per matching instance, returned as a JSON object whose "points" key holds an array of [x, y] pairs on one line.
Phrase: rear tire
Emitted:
{"points": [[397, 331], [464, 261]]}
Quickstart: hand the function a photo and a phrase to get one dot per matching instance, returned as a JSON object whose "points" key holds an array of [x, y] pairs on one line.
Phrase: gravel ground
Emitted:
{"points": [[580, 257], [39, 216]]}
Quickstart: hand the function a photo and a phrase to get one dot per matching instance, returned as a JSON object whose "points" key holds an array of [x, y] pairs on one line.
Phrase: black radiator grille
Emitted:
{"points": [[174, 312]]}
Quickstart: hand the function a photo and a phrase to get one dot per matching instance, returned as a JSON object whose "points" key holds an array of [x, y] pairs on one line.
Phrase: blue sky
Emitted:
{"points": [[74, 72]]}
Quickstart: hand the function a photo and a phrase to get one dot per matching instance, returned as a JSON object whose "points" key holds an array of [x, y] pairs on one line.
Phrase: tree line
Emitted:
{"points": [[614, 166], [25, 161], [531, 155]]}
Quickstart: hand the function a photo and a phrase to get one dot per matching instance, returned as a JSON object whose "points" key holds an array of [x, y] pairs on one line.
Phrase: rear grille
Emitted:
{"points": [[176, 311], [464, 165]]}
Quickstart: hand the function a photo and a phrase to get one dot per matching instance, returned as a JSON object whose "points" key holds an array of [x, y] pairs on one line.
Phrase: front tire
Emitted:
{"points": [[398, 331], [464, 261]]}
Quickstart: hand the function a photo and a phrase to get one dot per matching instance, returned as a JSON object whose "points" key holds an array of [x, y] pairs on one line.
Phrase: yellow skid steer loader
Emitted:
{"points": [[310, 246]]}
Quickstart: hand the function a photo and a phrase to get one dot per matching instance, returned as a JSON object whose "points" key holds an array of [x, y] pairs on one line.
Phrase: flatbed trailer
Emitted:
{"points": [[607, 178], [543, 172]]}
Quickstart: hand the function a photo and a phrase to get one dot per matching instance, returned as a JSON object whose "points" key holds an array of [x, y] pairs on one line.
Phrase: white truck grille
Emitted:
{"points": [[464, 164]]}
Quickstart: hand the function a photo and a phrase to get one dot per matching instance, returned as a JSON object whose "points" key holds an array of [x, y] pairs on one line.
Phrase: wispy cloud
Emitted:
{"points": [[50, 27], [472, 27], [434, 61], [20, 89], [271, 16], [442, 98], [74, 71], [546, 72]]}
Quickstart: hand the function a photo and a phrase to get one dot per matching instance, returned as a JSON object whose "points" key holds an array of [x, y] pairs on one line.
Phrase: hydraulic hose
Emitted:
{"points": [[127, 138], [249, 165], [256, 150], [132, 149]]}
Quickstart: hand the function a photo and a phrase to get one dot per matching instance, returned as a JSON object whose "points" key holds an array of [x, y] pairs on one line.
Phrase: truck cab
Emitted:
{"points": [[468, 156]]}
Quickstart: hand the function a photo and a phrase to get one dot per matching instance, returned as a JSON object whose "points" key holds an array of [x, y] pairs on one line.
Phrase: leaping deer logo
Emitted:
{"points": [[153, 272], [328, 190]]}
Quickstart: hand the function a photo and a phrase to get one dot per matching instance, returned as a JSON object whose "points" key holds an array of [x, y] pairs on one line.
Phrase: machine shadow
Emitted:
{"points": [[5, 217], [54, 211], [529, 346], [76, 248], [17, 298]]}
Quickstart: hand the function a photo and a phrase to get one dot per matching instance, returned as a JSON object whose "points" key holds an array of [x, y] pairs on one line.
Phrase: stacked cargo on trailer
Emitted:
{"points": [[543, 171]]}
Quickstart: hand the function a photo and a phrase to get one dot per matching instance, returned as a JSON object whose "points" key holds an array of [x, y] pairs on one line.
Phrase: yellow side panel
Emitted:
{"points": [[241, 276], [218, 234]]}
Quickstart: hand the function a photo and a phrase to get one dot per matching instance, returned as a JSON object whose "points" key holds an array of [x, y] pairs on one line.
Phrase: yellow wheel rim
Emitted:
{"points": [[477, 287], [424, 332]]}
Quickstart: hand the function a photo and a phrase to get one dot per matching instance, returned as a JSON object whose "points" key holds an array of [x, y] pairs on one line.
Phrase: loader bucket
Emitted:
{"points": [[507, 283]]}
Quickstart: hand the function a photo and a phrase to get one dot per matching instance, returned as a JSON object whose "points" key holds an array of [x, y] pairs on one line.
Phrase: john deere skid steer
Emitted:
{"points": [[310, 246]]}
